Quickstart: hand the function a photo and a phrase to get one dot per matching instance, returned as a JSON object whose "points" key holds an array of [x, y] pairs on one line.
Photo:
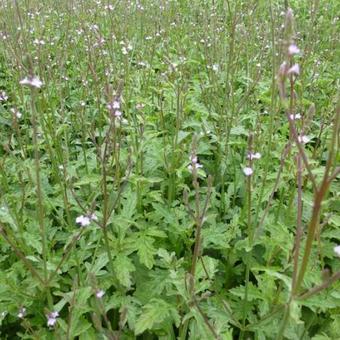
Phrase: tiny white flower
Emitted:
{"points": [[248, 171], [337, 250], [31, 81], [117, 113], [3, 96], [84, 221], [142, 63], [215, 67], [256, 155], [16, 113], [22, 312], [295, 116], [100, 293], [303, 139]]}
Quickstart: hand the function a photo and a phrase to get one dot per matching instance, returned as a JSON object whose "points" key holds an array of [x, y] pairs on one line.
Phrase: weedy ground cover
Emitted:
{"points": [[169, 170]]}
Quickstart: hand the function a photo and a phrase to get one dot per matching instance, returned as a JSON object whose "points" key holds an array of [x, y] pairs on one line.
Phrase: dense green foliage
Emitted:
{"points": [[125, 173]]}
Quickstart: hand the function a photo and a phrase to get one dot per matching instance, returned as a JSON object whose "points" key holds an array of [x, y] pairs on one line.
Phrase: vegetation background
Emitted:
{"points": [[169, 169]]}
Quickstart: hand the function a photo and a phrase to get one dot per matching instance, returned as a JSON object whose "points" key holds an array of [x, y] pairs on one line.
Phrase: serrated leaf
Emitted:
{"points": [[88, 179], [146, 251], [130, 204], [34, 241], [238, 130], [165, 213], [6, 217], [155, 232], [123, 267], [154, 313], [79, 325], [100, 262]]}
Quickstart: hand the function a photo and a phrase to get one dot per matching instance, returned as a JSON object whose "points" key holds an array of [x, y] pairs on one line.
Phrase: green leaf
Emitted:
{"points": [[34, 241], [6, 217], [79, 325], [154, 313], [155, 232], [100, 262], [238, 130], [130, 204], [146, 251], [165, 213], [88, 179], [123, 267]]}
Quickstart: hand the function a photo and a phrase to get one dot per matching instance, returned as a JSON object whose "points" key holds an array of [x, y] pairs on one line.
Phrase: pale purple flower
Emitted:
{"points": [[100, 293], [22, 312], [295, 69], [31, 81], [248, 171], [293, 49], [114, 107], [194, 163], [116, 104], [84, 221], [289, 14], [52, 319], [337, 250]]}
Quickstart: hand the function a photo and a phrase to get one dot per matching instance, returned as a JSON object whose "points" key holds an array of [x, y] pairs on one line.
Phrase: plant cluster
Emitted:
{"points": [[169, 169]]}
